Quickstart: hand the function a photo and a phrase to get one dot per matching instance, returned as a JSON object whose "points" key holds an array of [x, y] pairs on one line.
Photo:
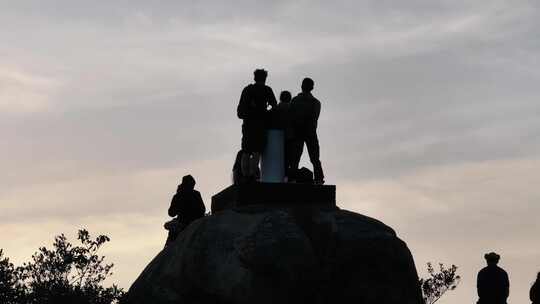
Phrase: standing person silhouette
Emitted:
{"points": [[492, 282], [283, 114], [252, 109], [305, 111], [534, 294], [186, 205]]}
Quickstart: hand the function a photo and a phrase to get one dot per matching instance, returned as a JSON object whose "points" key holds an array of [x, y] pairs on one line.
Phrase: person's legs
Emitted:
{"points": [[250, 164], [289, 144], [296, 149], [254, 145], [245, 163], [174, 229], [253, 140], [312, 143], [254, 164], [246, 147], [171, 236]]}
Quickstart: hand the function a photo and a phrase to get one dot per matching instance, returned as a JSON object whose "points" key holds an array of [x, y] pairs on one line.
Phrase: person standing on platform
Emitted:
{"points": [[305, 110], [253, 109], [284, 120]]}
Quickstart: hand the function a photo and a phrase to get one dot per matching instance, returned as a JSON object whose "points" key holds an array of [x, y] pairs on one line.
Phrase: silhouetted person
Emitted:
{"points": [[534, 294], [492, 283], [186, 205], [282, 110], [305, 110], [252, 109], [284, 120]]}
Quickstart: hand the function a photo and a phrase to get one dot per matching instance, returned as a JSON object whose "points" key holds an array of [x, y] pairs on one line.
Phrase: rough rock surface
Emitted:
{"points": [[258, 254]]}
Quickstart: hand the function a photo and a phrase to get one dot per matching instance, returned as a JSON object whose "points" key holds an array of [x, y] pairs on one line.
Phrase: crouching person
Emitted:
{"points": [[186, 206]]}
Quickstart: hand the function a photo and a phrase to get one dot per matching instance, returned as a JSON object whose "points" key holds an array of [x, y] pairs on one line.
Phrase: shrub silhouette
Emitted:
{"points": [[439, 282], [11, 289], [63, 274]]}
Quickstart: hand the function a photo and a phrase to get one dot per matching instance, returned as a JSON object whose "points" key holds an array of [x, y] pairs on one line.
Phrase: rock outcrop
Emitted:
{"points": [[258, 254]]}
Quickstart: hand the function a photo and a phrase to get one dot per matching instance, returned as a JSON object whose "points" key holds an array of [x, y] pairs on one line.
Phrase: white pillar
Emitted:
{"points": [[273, 157]]}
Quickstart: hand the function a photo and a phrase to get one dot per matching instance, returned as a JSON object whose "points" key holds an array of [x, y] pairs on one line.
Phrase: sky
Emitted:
{"points": [[429, 118]]}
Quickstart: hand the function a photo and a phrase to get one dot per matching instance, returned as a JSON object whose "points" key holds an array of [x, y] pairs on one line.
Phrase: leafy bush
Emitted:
{"points": [[438, 283], [64, 274], [11, 290]]}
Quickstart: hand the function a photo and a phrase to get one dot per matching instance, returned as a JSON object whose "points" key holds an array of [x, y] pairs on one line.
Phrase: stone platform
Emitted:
{"points": [[274, 194]]}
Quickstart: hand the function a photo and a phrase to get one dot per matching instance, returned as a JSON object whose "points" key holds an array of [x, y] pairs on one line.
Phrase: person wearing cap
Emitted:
{"points": [[492, 282], [305, 111], [186, 206], [253, 110], [534, 294]]}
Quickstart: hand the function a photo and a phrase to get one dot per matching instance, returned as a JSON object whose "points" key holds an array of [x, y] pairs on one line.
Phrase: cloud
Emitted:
{"points": [[455, 213], [22, 92], [429, 116], [139, 192]]}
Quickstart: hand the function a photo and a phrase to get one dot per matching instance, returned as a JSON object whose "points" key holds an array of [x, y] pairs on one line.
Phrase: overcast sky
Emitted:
{"points": [[430, 118]]}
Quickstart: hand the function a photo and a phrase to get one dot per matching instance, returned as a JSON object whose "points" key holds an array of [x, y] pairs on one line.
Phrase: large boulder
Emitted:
{"points": [[258, 254]]}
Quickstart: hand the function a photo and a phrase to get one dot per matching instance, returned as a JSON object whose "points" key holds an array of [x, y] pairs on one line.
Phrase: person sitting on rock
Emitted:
{"points": [[534, 294], [253, 110], [492, 284], [186, 205]]}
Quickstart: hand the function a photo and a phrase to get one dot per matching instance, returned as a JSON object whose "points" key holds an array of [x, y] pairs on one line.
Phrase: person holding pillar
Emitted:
{"points": [[285, 122]]}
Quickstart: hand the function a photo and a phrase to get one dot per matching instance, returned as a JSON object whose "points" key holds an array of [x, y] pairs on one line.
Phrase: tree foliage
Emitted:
{"points": [[11, 290], [439, 282], [63, 274]]}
